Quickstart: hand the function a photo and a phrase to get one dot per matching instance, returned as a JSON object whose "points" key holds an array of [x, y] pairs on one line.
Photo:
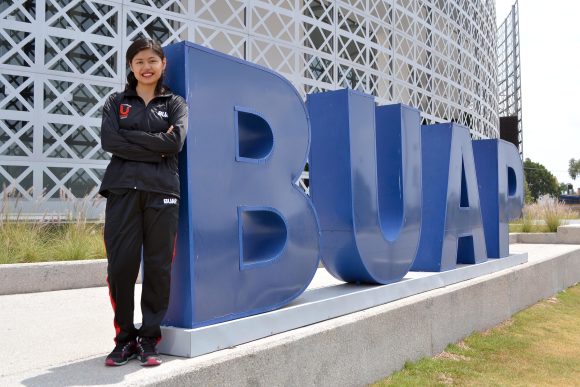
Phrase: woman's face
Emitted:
{"points": [[147, 67]]}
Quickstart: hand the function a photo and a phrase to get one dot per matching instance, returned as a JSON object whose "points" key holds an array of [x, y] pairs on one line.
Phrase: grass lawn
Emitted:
{"points": [[539, 346]]}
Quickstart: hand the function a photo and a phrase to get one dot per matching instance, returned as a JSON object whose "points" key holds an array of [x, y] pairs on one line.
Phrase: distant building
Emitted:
{"points": [[59, 60], [509, 79]]}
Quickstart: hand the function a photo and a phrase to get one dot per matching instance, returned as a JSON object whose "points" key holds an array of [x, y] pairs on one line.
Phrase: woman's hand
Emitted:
{"points": [[169, 131]]}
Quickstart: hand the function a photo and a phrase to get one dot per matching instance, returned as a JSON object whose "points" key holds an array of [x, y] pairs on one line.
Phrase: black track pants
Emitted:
{"points": [[136, 220]]}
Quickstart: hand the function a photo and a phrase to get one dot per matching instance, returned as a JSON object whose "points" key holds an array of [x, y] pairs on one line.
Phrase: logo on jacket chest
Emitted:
{"points": [[162, 114], [170, 201], [124, 110]]}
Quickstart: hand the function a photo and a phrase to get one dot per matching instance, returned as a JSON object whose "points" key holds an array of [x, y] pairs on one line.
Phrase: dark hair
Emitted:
{"points": [[136, 47]]}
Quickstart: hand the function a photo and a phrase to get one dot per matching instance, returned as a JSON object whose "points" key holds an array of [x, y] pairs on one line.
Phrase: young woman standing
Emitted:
{"points": [[144, 128]]}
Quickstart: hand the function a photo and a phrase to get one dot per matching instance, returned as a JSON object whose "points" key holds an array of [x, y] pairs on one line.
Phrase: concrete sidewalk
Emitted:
{"points": [[60, 338]]}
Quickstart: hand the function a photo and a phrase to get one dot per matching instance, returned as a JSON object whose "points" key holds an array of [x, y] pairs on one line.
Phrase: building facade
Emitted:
{"points": [[509, 79], [60, 59]]}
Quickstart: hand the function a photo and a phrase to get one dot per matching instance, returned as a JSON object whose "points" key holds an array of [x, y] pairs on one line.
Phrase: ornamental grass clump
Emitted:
{"points": [[22, 241], [77, 240], [530, 215], [554, 213], [26, 239]]}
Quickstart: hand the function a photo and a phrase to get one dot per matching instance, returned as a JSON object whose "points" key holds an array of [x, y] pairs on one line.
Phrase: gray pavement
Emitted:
{"points": [[60, 338], [55, 332]]}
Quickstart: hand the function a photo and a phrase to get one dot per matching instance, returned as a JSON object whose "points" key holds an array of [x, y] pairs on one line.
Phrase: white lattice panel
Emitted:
{"points": [[60, 59]]}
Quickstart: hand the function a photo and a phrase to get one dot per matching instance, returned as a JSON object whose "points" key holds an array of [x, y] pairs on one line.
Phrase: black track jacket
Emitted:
{"points": [[144, 155]]}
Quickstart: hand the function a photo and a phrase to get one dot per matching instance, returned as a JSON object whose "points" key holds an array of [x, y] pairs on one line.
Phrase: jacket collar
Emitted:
{"points": [[133, 93]]}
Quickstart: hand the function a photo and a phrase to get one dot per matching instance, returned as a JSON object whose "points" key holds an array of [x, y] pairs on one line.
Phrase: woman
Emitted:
{"points": [[144, 129]]}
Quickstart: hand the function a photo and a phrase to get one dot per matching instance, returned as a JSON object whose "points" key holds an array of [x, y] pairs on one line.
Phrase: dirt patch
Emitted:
{"points": [[463, 346], [445, 379], [452, 356], [503, 325]]}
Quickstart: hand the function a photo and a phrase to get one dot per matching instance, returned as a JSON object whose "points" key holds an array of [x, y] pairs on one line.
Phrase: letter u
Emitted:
{"points": [[365, 169]]}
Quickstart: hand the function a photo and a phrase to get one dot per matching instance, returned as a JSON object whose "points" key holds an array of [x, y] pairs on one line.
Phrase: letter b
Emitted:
{"points": [[248, 237]]}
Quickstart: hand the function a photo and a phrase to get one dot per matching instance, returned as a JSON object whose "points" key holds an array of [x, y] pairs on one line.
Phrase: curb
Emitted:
{"points": [[49, 276], [567, 234]]}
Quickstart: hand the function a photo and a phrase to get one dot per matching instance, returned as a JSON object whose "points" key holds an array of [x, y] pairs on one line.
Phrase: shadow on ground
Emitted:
{"points": [[88, 372]]}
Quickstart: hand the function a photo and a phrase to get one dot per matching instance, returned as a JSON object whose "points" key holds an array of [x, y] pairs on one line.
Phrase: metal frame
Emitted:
{"points": [[509, 70]]}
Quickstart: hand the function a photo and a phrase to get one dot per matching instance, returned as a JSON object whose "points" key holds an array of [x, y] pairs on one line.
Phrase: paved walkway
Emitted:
{"points": [[61, 338]]}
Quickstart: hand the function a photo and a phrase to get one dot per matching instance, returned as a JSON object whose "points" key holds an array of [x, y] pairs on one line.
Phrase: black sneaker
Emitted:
{"points": [[122, 353], [147, 350]]}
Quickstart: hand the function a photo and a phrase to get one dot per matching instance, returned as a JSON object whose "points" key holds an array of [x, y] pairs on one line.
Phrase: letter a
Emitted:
{"points": [[452, 231]]}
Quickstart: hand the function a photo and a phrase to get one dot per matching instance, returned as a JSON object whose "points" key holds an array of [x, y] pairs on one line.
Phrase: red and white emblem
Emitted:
{"points": [[124, 110]]}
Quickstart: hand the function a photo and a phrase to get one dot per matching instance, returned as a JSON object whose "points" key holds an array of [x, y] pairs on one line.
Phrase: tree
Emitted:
{"points": [[574, 168], [527, 196], [565, 188], [540, 181]]}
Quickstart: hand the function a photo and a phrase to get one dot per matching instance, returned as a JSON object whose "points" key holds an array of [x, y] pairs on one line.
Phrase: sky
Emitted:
{"points": [[550, 71]]}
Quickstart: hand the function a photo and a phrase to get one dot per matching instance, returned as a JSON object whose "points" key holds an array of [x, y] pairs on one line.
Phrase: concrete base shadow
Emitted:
{"points": [[83, 373]]}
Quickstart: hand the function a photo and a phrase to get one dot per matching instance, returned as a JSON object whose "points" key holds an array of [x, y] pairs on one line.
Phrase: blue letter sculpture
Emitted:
{"points": [[365, 180], [248, 237], [390, 194], [500, 175], [452, 229]]}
